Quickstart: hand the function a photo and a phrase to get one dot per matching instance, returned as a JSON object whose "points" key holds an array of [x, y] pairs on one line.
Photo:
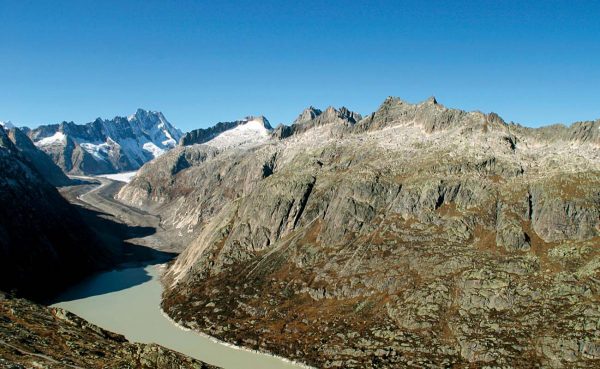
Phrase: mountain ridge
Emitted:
{"points": [[107, 145], [418, 235]]}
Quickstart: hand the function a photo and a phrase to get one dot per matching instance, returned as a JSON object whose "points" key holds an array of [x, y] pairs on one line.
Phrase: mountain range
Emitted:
{"points": [[107, 146]]}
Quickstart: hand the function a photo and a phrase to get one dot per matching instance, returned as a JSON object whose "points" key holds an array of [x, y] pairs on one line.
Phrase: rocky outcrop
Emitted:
{"points": [[32, 335], [419, 236], [107, 146], [566, 208], [43, 242]]}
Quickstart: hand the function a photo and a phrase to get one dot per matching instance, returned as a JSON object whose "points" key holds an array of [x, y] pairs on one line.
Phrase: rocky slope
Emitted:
{"points": [[107, 146], [43, 242], [418, 236], [33, 336], [40, 160]]}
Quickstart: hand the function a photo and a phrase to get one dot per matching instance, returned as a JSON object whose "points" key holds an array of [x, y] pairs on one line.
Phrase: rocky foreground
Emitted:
{"points": [[34, 336], [418, 236]]}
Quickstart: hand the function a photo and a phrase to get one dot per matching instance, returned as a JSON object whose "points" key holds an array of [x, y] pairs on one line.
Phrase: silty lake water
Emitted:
{"points": [[127, 301]]}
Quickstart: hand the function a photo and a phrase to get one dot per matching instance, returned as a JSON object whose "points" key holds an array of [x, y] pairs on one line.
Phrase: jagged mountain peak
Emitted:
{"points": [[338, 118], [307, 114], [431, 100], [392, 100], [145, 114], [429, 114], [330, 111]]}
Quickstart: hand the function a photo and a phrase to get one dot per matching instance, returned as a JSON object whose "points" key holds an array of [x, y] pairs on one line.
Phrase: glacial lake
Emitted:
{"points": [[127, 301]]}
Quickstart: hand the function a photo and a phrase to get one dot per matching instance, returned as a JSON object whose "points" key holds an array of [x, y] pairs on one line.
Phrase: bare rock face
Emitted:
{"points": [[34, 336], [418, 236]]}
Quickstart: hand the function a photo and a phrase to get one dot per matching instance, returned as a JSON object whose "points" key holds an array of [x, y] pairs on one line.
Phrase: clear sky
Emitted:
{"points": [[200, 62]]}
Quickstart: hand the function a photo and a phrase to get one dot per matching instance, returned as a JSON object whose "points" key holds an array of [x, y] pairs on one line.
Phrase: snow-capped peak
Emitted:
{"points": [[157, 127], [7, 124]]}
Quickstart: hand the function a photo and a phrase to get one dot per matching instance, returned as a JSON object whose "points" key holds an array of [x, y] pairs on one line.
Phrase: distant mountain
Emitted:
{"points": [[227, 134], [40, 160], [43, 242], [6, 124], [107, 146]]}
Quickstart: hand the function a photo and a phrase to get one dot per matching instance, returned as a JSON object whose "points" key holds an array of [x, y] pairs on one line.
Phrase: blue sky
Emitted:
{"points": [[201, 62]]}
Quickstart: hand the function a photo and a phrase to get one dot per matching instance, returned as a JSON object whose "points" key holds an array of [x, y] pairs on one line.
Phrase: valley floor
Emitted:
{"points": [[96, 194]]}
